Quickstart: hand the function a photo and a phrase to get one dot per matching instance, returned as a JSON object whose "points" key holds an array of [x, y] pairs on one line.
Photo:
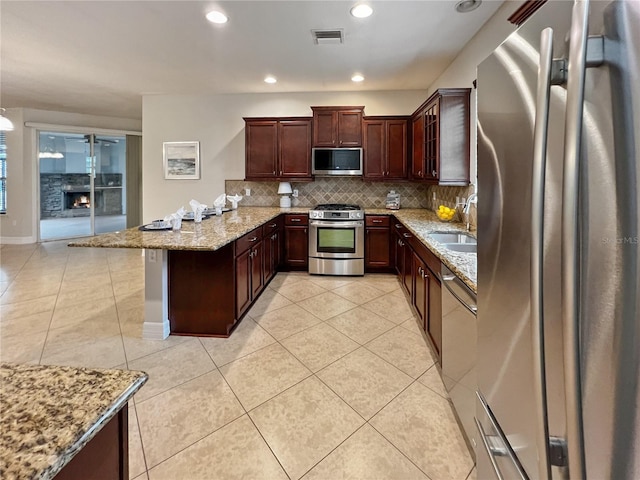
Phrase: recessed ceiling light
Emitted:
{"points": [[357, 78], [270, 79], [465, 6], [361, 10], [217, 17]]}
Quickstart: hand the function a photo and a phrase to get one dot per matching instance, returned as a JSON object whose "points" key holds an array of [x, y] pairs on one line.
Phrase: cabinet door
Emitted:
{"points": [[421, 290], [268, 268], [396, 149], [325, 128], [377, 247], [374, 150], [243, 282], [256, 269], [296, 247], [295, 148], [417, 147], [434, 329], [349, 128], [407, 277], [432, 141], [398, 247], [261, 148]]}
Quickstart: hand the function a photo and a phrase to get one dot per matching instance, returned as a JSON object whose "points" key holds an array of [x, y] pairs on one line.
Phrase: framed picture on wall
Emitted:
{"points": [[181, 160]]}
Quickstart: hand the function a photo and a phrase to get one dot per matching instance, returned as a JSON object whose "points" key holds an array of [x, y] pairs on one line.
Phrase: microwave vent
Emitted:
{"points": [[328, 37]]}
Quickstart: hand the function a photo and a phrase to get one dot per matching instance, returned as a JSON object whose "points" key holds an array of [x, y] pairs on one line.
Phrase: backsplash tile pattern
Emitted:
{"points": [[352, 190]]}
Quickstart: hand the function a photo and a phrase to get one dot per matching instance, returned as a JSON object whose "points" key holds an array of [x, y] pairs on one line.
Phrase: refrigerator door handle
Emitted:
{"points": [[546, 70], [579, 60]]}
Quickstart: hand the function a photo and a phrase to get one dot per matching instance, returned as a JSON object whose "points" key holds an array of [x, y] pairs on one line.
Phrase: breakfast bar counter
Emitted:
{"points": [[198, 280], [63, 421]]}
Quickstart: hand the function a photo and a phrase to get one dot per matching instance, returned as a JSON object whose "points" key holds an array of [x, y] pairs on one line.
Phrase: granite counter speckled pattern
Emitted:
{"points": [[49, 413], [216, 232], [421, 223], [213, 233]]}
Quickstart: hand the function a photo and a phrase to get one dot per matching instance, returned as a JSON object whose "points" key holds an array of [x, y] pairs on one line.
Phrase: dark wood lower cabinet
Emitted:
{"points": [[296, 242], [378, 245], [106, 456], [434, 327], [202, 291]]}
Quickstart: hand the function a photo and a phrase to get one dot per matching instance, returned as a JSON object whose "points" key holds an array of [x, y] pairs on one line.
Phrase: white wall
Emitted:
{"points": [[216, 122], [462, 71], [19, 224]]}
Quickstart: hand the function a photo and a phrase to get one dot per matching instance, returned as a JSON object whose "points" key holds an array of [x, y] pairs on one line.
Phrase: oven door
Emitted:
{"points": [[336, 239]]}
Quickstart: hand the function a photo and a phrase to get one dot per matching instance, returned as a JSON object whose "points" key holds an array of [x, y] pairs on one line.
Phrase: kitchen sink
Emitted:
{"points": [[462, 247], [453, 238]]}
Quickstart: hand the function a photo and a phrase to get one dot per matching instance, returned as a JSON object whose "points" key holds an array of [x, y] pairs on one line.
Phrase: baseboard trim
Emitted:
{"points": [[156, 330], [17, 240]]}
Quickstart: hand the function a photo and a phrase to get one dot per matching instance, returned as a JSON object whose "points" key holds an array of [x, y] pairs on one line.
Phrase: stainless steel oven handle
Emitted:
{"points": [[336, 224]]}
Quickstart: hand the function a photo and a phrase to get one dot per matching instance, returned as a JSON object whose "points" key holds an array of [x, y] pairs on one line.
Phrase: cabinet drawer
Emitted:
{"points": [[271, 226], [291, 219], [248, 240], [377, 221]]}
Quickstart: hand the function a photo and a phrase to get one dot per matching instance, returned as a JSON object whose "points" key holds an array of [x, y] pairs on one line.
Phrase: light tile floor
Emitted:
{"points": [[325, 378]]}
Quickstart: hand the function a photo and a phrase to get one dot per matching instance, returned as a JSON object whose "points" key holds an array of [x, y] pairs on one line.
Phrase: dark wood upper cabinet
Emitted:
{"points": [[440, 144], [528, 8], [278, 148], [337, 126], [385, 148]]}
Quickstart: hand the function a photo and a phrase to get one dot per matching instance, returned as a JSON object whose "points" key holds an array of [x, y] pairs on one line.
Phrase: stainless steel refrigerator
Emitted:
{"points": [[558, 253]]}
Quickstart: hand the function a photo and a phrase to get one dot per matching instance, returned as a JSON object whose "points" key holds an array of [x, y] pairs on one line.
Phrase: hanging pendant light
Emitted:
{"points": [[6, 125]]}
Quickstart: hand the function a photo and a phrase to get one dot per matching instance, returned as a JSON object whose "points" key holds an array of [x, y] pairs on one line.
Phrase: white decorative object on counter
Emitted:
{"points": [[285, 190]]}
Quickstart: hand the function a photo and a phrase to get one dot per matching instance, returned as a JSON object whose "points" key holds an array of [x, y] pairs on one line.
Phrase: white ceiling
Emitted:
{"points": [[100, 57]]}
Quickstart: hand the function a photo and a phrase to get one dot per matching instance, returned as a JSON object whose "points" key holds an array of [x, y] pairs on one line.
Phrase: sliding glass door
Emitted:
{"points": [[82, 184]]}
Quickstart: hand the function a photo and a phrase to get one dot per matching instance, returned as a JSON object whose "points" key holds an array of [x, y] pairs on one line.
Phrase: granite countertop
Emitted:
{"points": [[422, 222], [215, 232], [49, 413]]}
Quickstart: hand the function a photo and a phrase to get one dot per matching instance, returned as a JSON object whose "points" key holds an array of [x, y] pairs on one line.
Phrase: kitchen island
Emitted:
{"points": [[205, 253], [66, 422]]}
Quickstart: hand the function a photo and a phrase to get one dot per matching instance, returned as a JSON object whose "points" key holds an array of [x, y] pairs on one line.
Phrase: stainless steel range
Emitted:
{"points": [[336, 240]]}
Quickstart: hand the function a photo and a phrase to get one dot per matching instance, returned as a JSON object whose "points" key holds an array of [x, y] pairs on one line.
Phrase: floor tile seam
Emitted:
{"points": [[55, 304], [144, 455], [470, 471], [334, 449], [398, 449], [190, 445], [295, 301], [162, 350], [330, 363], [395, 366], [124, 348], [311, 374], [140, 402], [341, 313], [412, 380], [339, 396], [431, 388], [267, 311], [291, 335], [244, 355], [268, 446]]}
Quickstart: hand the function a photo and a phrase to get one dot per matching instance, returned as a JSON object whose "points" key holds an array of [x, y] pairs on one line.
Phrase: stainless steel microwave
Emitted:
{"points": [[336, 161]]}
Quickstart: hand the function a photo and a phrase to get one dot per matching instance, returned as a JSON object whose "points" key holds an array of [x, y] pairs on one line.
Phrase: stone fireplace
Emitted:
{"points": [[64, 195]]}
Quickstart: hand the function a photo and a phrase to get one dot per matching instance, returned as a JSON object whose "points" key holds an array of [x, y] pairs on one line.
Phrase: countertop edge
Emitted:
{"points": [[66, 457]]}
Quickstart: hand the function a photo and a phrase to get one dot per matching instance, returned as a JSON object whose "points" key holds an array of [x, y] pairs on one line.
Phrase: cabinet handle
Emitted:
{"points": [[434, 173], [280, 172], [295, 219], [406, 235], [274, 172], [419, 173], [273, 225], [305, 230], [376, 221], [253, 239], [398, 225]]}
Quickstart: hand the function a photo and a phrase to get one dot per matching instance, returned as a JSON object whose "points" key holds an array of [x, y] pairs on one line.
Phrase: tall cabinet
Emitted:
{"points": [[440, 144]]}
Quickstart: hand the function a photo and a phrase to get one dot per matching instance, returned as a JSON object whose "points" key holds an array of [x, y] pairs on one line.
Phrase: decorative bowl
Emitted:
{"points": [[445, 214]]}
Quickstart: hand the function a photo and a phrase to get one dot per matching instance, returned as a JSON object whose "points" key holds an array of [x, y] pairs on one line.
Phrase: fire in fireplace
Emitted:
{"points": [[77, 200]]}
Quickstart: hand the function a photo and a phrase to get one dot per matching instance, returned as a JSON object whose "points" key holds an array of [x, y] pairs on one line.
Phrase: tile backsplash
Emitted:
{"points": [[350, 190]]}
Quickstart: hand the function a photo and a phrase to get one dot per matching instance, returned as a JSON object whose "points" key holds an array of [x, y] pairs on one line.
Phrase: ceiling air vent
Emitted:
{"points": [[328, 37]]}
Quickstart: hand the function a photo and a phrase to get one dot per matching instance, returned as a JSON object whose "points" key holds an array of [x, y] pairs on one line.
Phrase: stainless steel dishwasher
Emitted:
{"points": [[459, 335]]}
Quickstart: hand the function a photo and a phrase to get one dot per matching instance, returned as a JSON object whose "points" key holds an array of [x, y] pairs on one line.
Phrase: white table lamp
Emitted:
{"points": [[284, 189]]}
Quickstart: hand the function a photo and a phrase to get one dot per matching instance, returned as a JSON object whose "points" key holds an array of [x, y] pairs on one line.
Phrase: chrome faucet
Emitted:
{"points": [[473, 198]]}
